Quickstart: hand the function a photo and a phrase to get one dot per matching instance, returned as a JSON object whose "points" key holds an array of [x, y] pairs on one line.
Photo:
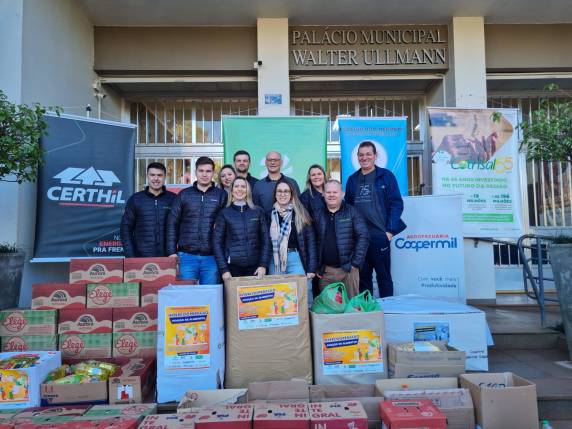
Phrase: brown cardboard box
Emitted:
{"points": [[134, 344], [169, 421], [85, 346], [112, 295], [289, 415], [85, 321], [229, 416], [58, 296], [363, 393], [449, 362], [29, 414], [26, 343], [411, 414], [132, 381], [150, 290], [456, 404], [348, 348], [194, 399], [59, 394], [502, 400], [135, 319], [140, 270], [130, 411], [337, 415], [96, 270], [20, 321], [267, 330], [381, 386], [279, 391]]}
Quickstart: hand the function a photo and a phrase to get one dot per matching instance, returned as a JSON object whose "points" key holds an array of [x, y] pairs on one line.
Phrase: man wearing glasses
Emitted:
{"points": [[263, 191]]}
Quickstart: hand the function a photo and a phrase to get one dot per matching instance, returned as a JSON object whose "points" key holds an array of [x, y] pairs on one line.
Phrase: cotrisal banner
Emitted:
{"points": [[475, 153], [83, 186], [388, 134], [428, 257]]}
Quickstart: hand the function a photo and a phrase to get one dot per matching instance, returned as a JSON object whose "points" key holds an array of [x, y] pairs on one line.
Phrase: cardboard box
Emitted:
{"points": [[94, 270], [132, 381], [85, 321], [337, 415], [348, 348], [194, 399], [135, 319], [229, 416], [85, 346], [418, 318], [20, 388], [456, 404], [363, 393], [279, 391], [58, 296], [411, 414], [112, 295], [190, 342], [18, 322], [150, 270], [6, 416], [150, 290], [288, 415], [169, 421], [502, 400], [61, 394], [381, 386], [134, 344], [30, 342], [267, 330], [78, 423], [130, 411], [449, 362], [37, 413]]}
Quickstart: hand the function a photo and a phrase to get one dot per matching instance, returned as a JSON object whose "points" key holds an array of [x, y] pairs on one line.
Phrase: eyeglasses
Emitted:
{"points": [[283, 191], [273, 159]]}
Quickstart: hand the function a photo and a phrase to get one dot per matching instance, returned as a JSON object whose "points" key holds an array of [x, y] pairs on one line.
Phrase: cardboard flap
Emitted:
{"points": [[201, 398], [330, 391], [278, 390]]}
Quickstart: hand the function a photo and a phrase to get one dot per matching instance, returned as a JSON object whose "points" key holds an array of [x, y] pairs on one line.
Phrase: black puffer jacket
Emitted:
{"points": [[241, 237], [313, 202], [352, 236], [144, 223], [190, 224]]}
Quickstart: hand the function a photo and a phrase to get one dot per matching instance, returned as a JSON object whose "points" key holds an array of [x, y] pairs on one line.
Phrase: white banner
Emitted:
{"points": [[475, 153], [428, 257]]}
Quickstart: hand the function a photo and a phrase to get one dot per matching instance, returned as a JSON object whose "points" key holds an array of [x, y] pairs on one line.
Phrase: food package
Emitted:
{"points": [[26, 343], [141, 270], [135, 319], [134, 344], [17, 322], [112, 295], [85, 321], [58, 296], [85, 346], [96, 270]]}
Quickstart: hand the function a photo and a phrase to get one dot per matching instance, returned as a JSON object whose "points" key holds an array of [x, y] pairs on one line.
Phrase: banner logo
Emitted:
{"points": [[419, 242], [499, 165], [87, 187]]}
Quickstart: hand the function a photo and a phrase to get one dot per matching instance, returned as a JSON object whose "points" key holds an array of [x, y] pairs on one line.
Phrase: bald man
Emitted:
{"points": [[263, 191]]}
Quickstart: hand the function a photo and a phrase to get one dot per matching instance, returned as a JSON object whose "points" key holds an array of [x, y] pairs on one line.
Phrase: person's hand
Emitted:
{"points": [[226, 276], [310, 275], [354, 269], [389, 235], [174, 255], [261, 271]]}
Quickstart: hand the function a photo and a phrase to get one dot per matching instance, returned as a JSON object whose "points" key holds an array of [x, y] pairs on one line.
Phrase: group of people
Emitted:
{"points": [[243, 226]]}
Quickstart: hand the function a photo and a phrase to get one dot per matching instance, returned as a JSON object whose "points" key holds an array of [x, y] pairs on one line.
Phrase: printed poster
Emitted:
{"points": [[475, 153], [187, 337], [351, 352], [268, 306], [14, 386], [428, 331]]}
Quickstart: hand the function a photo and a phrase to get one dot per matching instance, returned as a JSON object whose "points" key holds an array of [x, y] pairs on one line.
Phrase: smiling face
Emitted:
{"points": [[317, 178], [226, 177], [333, 195], [283, 194], [239, 190], [273, 162], [242, 163], [366, 158], [155, 179]]}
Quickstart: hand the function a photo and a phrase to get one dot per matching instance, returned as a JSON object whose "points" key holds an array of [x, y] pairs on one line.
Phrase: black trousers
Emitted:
{"points": [[378, 258]]}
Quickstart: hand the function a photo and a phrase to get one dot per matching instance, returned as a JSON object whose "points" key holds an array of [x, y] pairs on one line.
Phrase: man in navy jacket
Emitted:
{"points": [[374, 192]]}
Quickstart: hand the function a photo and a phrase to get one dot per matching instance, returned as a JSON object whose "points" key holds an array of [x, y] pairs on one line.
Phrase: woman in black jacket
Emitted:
{"points": [[241, 242], [313, 197]]}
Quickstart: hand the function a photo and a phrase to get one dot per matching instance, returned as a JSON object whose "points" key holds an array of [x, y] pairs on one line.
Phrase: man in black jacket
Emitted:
{"points": [[242, 165], [343, 239], [145, 217], [190, 225]]}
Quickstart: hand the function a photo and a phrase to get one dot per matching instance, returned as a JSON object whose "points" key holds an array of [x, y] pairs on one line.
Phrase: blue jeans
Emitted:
{"points": [[201, 268], [293, 266]]}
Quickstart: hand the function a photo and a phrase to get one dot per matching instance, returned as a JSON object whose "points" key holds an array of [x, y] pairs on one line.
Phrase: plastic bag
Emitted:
{"points": [[363, 302], [332, 300]]}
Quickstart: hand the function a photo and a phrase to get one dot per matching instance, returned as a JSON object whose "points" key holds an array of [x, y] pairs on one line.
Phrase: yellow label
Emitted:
{"points": [[267, 306], [351, 352], [13, 386], [187, 337]]}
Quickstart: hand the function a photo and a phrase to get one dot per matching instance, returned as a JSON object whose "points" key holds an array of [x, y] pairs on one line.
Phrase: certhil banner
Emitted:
{"points": [[388, 134], [475, 153], [83, 186], [300, 140]]}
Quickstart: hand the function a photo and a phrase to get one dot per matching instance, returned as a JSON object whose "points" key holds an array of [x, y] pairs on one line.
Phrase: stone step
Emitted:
{"points": [[523, 340]]}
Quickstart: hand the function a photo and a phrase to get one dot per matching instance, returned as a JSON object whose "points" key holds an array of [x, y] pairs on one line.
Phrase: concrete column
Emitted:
{"points": [[273, 74]]}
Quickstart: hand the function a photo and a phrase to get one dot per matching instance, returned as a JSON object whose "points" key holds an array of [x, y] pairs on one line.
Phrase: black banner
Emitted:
{"points": [[83, 187]]}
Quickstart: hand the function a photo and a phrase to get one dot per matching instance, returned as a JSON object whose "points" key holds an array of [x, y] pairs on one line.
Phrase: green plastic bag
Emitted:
{"points": [[332, 300], [363, 302]]}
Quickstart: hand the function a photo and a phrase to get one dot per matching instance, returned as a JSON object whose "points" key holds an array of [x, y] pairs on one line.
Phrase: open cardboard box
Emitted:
{"points": [[448, 362]]}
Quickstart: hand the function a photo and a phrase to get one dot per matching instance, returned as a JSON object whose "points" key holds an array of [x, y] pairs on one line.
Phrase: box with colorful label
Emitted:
{"points": [[150, 270], [79, 393], [17, 322], [85, 321], [412, 414], [21, 375], [85, 346], [96, 270], [135, 319], [428, 359], [112, 295], [337, 415], [169, 421], [58, 296], [286, 415], [134, 344], [131, 411], [132, 381], [229, 416], [150, 290], [26, 343]]}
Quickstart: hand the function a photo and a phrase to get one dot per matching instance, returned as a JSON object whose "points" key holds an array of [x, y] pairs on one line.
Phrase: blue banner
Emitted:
{"points": [[390, 138]]}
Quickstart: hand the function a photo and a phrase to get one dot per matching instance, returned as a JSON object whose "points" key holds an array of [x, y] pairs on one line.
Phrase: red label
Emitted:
{"points": [[15, 344], [126, 344], [15, 322], [100, 295], [73, 345]]}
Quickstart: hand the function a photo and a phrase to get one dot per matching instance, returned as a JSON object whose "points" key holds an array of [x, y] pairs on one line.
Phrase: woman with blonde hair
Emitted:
{"points": [[226, 175], [240, 240], [313, 197]]}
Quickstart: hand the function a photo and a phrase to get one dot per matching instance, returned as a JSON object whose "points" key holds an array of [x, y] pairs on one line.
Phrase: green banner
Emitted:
{"points": [[301, 141]]}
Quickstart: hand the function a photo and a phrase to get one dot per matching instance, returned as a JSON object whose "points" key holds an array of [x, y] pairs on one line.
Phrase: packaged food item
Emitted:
{"points": [[58, 296], [112, 295], [135, 344], [150, 270], [96, 270], [85, 321], [18, 322], [85, 346], [26, 343], [135, 319]]}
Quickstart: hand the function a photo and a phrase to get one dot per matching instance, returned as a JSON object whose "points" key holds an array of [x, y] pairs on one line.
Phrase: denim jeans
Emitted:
{"points": [[201, 268], [294, 266]]}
